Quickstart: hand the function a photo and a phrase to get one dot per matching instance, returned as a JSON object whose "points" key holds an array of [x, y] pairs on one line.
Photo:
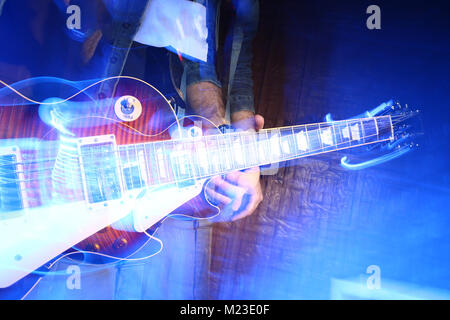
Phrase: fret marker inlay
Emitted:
{"points": [[355, 132], [302, 142], [327, 137]]}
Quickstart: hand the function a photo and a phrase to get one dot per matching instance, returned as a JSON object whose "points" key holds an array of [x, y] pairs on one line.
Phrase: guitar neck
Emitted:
{"points": [[183, 160]]}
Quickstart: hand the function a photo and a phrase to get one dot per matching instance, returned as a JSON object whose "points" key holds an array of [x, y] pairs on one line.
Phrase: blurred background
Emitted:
{"points": [[321, 226]]}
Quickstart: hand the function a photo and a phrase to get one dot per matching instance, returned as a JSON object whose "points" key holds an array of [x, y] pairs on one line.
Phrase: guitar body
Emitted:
{"points": [[81, 166]]}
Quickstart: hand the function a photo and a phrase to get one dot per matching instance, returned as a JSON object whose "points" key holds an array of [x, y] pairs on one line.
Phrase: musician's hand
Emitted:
{"points": [[239, 193]]}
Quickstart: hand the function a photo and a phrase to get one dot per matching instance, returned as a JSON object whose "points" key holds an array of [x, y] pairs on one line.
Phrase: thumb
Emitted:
{"points": [[259, 122]]}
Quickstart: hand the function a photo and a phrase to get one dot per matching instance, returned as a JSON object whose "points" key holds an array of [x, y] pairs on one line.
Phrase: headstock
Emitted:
{"points": [[407, 128], [406, 123]]}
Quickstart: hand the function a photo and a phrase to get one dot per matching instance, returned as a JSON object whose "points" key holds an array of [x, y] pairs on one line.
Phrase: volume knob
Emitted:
{"points": [[120, 243]]}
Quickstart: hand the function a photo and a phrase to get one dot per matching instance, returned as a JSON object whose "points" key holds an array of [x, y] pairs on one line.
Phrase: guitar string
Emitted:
{"points": [[193, 140], [169, 183], [135, 146], [127, 150], [308, 153]]}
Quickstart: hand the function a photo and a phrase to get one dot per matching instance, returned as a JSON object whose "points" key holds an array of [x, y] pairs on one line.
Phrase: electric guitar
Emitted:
{"points": [[94, 172]]}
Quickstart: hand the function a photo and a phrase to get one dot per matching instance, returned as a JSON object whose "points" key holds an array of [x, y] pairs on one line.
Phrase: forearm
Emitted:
{"points": [[205, 98]]}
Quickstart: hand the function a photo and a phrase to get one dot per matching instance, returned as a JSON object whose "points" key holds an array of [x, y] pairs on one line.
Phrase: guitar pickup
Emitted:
{"points": [[12, 185], [100, 168]]}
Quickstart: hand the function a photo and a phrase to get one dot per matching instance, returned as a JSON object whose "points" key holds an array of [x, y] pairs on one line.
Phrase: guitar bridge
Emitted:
{"points": [[99, 167], [11, 182]]}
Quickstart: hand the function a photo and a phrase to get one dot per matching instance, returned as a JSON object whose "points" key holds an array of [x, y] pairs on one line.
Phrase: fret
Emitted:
{"points": [[274, 143], [312, 132], [287, 143], [337, 135], [214, 159], [263, 147], [363, 133], [248, 148], [225, 152], [172, 165], [344, 134], [301, 138], [142, 163], [201, 157], [183, 154], [232, 155], [122, 151], [294, 140], [376, 126], [152, 162], [219, 155], [355, 132], [167, 147], [138, 163], [181, 164], [347, 133], [238, 151], [130, 168], [370, 130], [186, 157], [327, 137], [254, 142], [161, 162], [384, 128]]}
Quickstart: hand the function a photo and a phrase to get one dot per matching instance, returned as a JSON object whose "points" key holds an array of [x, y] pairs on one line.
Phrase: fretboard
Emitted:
{"points": [[184, 160]]}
